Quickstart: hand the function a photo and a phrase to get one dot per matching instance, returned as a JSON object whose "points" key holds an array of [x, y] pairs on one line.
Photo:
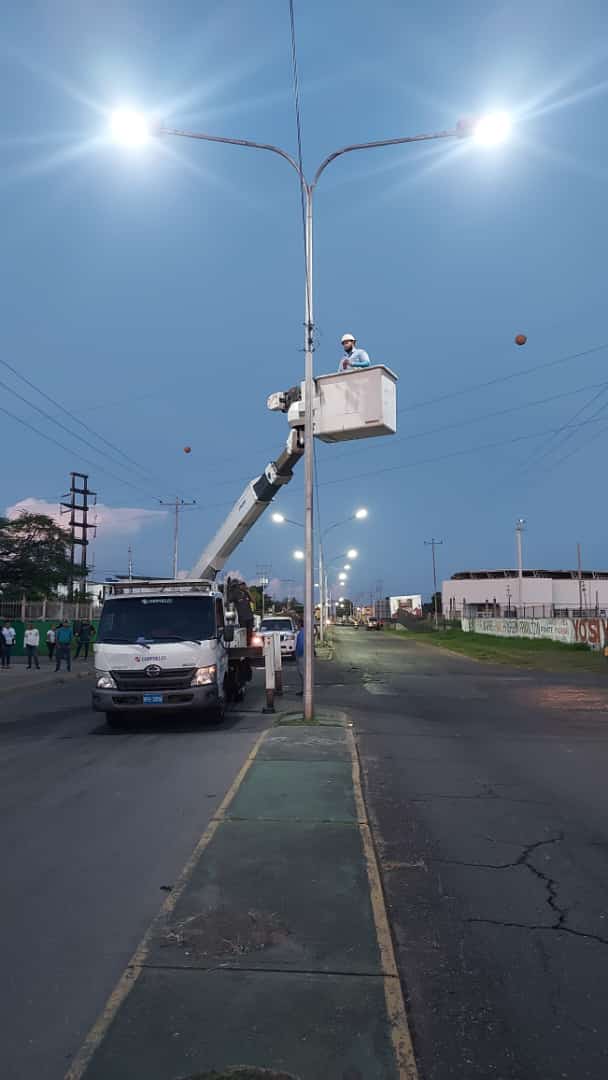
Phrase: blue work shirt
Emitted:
{"points": [[357, 358], [300, 642], [64, 635]]}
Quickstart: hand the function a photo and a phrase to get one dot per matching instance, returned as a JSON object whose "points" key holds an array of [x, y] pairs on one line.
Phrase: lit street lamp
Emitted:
{"points": [[280, 519], [132, 128]]}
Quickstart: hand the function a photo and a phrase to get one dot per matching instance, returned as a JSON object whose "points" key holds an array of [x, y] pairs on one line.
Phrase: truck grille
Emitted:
{"points": [[169, 679]]}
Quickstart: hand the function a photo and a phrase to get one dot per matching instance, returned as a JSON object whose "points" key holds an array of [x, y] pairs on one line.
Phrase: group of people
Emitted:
{"points": [[58, 643]]}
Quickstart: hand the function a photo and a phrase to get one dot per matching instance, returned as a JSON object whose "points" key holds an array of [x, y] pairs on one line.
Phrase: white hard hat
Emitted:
{"points": [[347, 337]]}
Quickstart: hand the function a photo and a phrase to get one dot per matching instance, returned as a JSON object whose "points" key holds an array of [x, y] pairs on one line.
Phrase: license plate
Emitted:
{"points": [[153, 699]]}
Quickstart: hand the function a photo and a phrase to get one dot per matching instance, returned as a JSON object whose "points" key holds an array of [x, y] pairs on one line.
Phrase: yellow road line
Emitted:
{"points": [[137, 962], [393, 995]]}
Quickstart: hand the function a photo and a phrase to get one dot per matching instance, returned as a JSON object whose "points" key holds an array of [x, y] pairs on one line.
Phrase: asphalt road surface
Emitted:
{"points": [[488, 788], [94, 825], [488, 793]]}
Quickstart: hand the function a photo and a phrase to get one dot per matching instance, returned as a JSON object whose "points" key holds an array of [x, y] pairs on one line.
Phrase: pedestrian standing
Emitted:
{"points": [[84, 639], [300, 658], [8, 635], [31, 640], [50, 642], [64, 645]]}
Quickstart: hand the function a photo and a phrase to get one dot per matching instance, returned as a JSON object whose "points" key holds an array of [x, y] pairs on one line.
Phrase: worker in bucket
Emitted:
{"points": [[353, 358]]}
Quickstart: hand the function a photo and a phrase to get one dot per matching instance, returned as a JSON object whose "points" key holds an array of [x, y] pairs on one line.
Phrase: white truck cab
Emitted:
{"points": [[166, 645]]}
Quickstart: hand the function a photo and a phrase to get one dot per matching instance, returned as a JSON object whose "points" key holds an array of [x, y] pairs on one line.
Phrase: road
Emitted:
{"points": [[487, 789], [487, 793], [94, 826]]}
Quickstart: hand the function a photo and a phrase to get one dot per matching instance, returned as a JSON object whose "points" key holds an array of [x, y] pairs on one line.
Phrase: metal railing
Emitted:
{"points": [[533, 611], [41, 610]]}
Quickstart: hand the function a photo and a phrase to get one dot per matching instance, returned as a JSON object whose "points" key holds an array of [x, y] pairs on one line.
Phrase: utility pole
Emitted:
{"points": [[177, 506], [520, 525], [130, 563], [432, 543], [580, 579], [78, 508]]}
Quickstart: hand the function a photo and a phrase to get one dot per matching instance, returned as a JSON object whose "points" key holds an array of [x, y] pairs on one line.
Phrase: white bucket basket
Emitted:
{"points": [[355, 405]]}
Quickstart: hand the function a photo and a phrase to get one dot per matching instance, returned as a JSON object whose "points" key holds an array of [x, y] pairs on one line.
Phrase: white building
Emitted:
{"points": [[390, 607], [543, 592]]}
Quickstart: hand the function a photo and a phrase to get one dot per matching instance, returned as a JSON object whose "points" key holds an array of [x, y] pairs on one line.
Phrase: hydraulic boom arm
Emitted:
{"points": [[256, 497]]}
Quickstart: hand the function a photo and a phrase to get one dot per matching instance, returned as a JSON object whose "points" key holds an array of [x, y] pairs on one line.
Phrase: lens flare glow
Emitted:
{"points": [[129, 127], [492, 129]]}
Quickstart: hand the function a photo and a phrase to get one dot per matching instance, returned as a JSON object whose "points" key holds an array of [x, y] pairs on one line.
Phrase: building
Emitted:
{"points": [[544, 593], [391, 607]]}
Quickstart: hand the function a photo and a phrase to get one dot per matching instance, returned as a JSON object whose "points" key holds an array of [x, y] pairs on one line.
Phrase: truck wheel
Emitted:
{"points": [[115, 720]]}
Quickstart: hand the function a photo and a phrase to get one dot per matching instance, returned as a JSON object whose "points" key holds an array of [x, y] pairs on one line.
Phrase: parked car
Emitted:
{"points": [[373, 624], [282, 624]]}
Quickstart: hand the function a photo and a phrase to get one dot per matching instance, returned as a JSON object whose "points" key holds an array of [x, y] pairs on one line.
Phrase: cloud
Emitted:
{"points": [[110, 520]]}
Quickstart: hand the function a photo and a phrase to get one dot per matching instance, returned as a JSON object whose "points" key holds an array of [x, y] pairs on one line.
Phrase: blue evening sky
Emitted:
{"points": [[158, 294]]}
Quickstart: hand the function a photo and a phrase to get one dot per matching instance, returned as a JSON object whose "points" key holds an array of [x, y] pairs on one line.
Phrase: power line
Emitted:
{"points": [[72, 416], [551, 446], [54, 420], [70, 451], [476, 419], [296, 97], [448, 456], [503, 378]]}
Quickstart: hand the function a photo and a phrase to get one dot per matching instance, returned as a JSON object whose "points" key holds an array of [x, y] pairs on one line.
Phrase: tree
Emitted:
{"points": [[33, 556]]}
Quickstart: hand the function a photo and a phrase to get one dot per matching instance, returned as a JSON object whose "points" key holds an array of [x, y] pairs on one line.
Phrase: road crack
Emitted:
{"points": [[551, 886]]}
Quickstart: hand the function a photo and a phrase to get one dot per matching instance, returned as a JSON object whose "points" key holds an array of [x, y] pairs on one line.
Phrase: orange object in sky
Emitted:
{"points": [[187, 449], [520, 339]]}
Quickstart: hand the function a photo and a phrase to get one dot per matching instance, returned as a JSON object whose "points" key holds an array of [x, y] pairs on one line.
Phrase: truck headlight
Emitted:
{"points": [[204, 676], [104, 681]]}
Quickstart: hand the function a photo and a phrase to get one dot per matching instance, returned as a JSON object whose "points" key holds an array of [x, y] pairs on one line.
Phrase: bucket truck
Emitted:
{"points": [[175, 645], [172, 645]]}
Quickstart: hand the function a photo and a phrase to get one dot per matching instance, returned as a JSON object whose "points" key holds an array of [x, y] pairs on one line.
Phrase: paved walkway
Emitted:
{"points": [[272, 950]]}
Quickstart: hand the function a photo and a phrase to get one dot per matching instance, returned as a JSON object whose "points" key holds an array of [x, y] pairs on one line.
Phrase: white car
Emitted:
{"points": [[284, 626]]}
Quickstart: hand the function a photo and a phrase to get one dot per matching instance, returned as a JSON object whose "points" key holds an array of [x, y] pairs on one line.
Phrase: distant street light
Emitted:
{"points": [[352, 553], [280, 519], [298, 554]]}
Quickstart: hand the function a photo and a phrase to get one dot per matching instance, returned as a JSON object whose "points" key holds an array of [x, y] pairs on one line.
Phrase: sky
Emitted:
{"points": [[157, 294]]}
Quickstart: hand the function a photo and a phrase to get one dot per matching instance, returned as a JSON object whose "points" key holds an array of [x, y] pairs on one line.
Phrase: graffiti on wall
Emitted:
{"points": [[588, 631]]}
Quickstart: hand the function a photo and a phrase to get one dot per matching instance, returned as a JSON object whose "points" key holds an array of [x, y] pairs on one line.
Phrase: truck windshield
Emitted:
{"points": [[276, 624], [155, 619]]}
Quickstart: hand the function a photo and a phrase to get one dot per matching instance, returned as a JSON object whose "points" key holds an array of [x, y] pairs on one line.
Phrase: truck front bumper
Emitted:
{"points": [[191, 697]]}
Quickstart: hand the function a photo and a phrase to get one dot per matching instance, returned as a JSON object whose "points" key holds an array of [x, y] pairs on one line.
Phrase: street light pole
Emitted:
{"points": [[309, 596], [130, 127]]}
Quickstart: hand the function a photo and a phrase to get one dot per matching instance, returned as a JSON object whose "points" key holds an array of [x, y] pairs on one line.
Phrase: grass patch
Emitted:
{"points": [[518, 652]]}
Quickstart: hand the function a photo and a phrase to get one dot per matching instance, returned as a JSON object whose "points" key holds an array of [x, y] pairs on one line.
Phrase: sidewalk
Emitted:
{"points": [[273, 949], [17, 677]]}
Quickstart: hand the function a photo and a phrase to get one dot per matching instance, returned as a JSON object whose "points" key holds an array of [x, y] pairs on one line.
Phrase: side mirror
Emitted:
{"points": [[228, 634]]}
